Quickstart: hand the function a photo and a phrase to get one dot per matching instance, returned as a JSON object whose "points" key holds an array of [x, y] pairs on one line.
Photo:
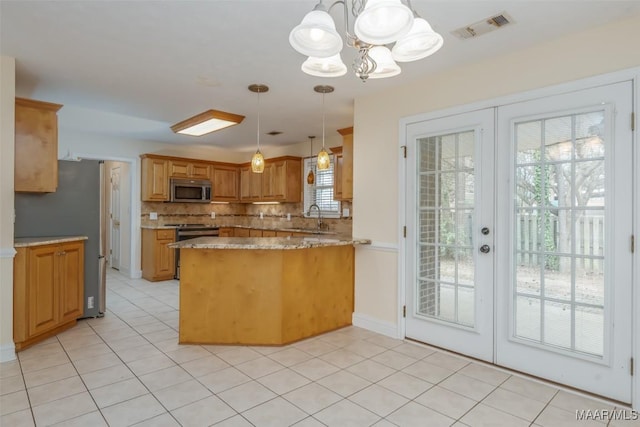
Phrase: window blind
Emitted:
{"points": [[321, 192]]}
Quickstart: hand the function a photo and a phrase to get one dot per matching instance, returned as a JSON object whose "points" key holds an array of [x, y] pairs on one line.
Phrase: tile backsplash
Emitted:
{"points": [[242, 214]]}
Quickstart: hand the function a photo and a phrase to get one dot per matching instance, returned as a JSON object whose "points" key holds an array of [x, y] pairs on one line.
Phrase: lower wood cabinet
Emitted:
{"points": [[48, 290], [226, 232], [158, 260]]}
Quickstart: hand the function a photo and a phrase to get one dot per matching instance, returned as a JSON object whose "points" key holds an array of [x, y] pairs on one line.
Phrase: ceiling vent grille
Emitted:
{"points": [[483, 27]]}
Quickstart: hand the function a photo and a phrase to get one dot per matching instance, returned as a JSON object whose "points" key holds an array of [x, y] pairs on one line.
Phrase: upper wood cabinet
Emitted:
{"points": [[187, 169], [36, 146], [155, 179], [280, 181], [225, 180], [338, 166], [343, 168]]}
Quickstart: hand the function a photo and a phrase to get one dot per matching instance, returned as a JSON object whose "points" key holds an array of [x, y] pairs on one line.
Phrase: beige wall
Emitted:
{"points": [[7, 111], [376, 125]]}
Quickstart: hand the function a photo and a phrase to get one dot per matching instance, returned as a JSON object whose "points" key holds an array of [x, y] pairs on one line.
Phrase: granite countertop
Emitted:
{"points": [[266, 242], [23, 242], [159, 227], [296, 230]]}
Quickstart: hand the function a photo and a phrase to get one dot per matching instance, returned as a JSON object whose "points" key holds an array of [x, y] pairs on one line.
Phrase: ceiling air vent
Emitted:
{"points": [[274, 133], [482, 27]]}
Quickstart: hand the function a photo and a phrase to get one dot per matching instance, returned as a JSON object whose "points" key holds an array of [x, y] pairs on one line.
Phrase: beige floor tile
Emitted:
{"points": [[514, 404], [308, 422], [93, 419], [486, 416], [384, 341], [405, 385], [624, 417], [63, 409], [312, 398], [133, 411], [38, 363], [13, 402], [56, 390], [378, 400], [365, 349], [467, 386], [118, 392], [164, 378], [344, 383], [283, 381], [314, 369], [370, 370], [89, 352], [44, 376], [107, 360], [81, 341], [267, 350], [181, 394], [106, 376], [289, 357], [485, 373], [205, 412], [529, 388], [224, 379], [553, 416], [139, 352], [274, 413], [127, 342], [162, 336], [336, 339], [237, 355], [342, 358], [43, 350], [259, 367], [12, 384], [22, 418], [446, 402], [572, 402], [10, 369], [163, 420], [204, 366], [187, 354], [315, 347], [146, 328], [346, 413], [393, 359], [413, 414], [246, 396], [415, 350], [446, 360], [237, 421], [150, 364], [428, 372]]}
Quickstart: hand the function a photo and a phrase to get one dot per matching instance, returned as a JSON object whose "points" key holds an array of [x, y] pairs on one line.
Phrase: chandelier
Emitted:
{"points": [[376, 24]]}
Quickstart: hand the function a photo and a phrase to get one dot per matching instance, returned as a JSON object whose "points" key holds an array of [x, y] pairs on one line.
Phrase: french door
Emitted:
{"points": [[547, 290]]}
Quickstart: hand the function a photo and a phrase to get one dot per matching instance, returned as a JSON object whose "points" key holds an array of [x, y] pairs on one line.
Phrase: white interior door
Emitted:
{"points": [[565, 210], [115, 218], [450, 206]]}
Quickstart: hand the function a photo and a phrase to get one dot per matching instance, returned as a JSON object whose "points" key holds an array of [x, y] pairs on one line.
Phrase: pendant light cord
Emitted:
{"points": [[323, 120], [258, 133]]}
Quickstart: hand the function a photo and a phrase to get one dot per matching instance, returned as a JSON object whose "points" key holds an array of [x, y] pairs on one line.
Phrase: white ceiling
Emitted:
{"points": [[130, 69]]}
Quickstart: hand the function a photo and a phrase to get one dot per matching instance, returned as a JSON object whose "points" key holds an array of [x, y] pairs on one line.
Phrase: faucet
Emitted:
{"points": [[319, 227]]}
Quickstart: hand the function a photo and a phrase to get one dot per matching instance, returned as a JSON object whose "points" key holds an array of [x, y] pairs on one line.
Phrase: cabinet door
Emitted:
{"points": [[71, 276], [337, 177], [347, 166], [226, 232], [242, 232], [165, 258], [199, 171], [245, 183], [268, 233], [255, 233], [268, 182], [279, 180], [43, 306], [178, 169], [225, 183], [155, 180]]}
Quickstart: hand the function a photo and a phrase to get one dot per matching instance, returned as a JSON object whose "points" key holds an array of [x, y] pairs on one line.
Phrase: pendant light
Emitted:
{"points": [[257, 161], [310, 176], [324, 162]]}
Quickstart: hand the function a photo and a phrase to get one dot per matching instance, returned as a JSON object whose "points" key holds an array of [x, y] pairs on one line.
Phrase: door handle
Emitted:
{"points": [[485, 249]]}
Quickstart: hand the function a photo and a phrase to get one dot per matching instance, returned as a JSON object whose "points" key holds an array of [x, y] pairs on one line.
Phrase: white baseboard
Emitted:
{"points": [[136, 274], [375, 325], [7, 352]]}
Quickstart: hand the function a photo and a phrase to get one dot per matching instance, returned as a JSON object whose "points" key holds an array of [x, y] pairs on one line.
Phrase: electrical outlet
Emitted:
{"points": [[153, 216], [90, 302], [288, 217], [261, 215], [345, 212], [213, 215]]}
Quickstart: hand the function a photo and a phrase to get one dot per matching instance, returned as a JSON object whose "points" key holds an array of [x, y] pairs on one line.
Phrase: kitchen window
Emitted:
{"points": [[321, 191]]}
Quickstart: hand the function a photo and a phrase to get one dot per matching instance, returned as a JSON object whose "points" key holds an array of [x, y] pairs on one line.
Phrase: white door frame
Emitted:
{"points": [[604, 79]]}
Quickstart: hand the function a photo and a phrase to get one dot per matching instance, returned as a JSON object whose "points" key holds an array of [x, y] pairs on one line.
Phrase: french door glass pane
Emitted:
{"points": [[559, 199], [446, 206]]}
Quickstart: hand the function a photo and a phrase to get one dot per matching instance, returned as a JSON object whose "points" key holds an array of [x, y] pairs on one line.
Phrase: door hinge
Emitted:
{"points": [[631, 367], [404, 231], [633, 121], [633, 243], [404, 313], [404, 151]]}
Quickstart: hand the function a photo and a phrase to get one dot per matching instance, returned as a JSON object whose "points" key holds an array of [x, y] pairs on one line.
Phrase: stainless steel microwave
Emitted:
{"points": [[190, 190]]}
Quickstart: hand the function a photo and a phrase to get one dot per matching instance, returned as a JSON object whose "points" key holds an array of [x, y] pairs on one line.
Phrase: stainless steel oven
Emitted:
{"points": [[191, 231]]}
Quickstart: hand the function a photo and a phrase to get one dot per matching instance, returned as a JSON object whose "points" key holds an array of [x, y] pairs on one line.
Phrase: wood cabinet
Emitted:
{"points": [[343, 167], [280, 182], [48, 290], [36, 146], [155, 179], [188, 169], [225, 180], [226, 232], [158, 260], [269, 233], [242, 232]]}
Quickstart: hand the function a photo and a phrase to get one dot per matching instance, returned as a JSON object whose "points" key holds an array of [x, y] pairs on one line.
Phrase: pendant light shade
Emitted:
{"points": [[325, 67], [257, 161], [316, 35], [311, 178], [383, 21], [324, 162], [420, 42], [385, 65]]}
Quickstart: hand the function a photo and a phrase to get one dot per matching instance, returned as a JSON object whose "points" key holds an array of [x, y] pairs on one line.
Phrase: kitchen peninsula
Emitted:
{"points": [[264, 291]]}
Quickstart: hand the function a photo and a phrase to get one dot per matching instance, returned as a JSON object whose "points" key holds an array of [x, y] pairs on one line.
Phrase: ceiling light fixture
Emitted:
{"points": [[376, 23], [323, 161], [207, 122], [257, 161]]}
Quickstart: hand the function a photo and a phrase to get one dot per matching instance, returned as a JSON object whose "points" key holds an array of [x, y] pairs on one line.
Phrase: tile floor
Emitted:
{"points": [[127, 369]]}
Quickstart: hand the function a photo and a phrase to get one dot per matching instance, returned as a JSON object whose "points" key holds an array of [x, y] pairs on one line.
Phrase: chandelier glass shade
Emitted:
{"points": [[369, 25]]}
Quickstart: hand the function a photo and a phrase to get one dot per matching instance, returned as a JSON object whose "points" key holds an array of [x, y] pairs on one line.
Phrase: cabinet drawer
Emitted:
{"points": [[165, 234]]}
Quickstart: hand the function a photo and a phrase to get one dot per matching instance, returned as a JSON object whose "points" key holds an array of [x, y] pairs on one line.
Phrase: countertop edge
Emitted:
{"points": [[265, 243], [24, 242]]}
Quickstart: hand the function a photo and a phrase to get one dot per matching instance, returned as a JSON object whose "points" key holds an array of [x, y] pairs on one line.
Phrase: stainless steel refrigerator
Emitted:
{"points": [[76, 208]]}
